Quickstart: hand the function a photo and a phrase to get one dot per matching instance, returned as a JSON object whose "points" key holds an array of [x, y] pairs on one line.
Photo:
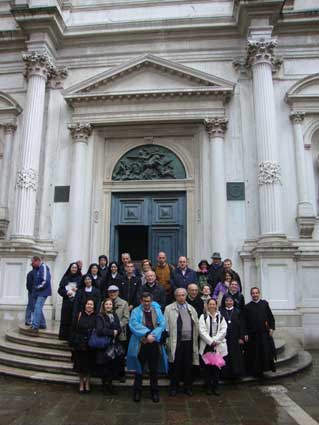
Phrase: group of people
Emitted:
{"points": [[164, 319]]}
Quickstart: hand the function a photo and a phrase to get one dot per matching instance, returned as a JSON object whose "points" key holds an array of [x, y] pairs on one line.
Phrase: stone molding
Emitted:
{"points": [[80, 132], [27, 178], [216, 127], [297, 117], [306, 226], [39, 63], [269, 173]]}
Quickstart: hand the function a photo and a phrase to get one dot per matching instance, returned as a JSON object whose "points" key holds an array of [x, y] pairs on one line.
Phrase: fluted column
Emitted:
{"points": [[80, 135], [38, 69], [9, 130], [261, 60], [216, 128], [305, 211]]}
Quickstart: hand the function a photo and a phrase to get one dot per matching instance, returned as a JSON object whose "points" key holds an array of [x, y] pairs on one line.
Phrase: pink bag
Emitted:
{"points": [[213, 359]]}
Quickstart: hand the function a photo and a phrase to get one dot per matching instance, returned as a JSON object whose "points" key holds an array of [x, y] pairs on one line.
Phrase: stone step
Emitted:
{"points": [[300, 362], [51, 332], [36, 364], [14, 335], [36, 352]]}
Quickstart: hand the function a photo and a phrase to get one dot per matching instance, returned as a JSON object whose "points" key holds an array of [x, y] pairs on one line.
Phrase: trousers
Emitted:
{"points": [[148, 355]]}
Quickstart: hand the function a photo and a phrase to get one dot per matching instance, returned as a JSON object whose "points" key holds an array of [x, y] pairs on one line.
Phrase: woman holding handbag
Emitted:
{"points": [[212, 347], [109, 359], [83, 356]]}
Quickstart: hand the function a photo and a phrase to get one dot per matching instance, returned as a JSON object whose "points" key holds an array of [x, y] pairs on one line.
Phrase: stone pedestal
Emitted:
{"points": [[80, 135], [38, 69], [216, 128]]}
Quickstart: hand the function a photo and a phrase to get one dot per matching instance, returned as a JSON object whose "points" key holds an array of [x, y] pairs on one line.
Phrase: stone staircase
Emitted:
{"points": [[46, 358]]}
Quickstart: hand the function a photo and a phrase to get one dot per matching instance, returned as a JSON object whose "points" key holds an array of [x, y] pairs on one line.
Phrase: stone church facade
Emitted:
{"points": [[189, 126]]}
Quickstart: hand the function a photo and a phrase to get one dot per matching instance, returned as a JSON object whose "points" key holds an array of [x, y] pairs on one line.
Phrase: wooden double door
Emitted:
{"points": [[145, 223]]}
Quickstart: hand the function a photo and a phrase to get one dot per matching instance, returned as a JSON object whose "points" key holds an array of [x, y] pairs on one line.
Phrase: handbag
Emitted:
{"points": [[212, 358], [114, 350], [99, 342]]}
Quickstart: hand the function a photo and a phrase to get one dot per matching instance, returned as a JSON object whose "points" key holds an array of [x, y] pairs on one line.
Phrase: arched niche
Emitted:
{"points": [[149, 162]]}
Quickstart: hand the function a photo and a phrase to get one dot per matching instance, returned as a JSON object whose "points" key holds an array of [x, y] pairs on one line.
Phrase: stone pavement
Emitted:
{"points": [[25, 402]]}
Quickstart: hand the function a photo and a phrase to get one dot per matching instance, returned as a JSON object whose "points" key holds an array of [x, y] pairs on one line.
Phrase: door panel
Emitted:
{"points": [[165, 211], [164, 240]]}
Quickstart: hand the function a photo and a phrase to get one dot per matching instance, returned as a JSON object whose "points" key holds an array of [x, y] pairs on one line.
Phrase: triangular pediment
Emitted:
{"points": [[148, 75]]}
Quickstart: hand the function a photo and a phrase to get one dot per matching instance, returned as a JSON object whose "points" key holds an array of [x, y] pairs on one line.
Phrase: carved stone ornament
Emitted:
{"points": [[80, 132], [149, 162], [261, 51], [57, 77], [297, 117], [216, 126], [38, 63], [269, 172], [27, 178]]}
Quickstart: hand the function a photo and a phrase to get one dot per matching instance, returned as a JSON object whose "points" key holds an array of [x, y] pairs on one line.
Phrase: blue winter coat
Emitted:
{"points": [[178, 280], [42, 281], [139, 330]]}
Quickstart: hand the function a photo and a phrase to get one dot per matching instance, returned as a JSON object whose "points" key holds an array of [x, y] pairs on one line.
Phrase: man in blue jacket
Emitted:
{"points": [[42, 290], [147, 323], [182, 276]]}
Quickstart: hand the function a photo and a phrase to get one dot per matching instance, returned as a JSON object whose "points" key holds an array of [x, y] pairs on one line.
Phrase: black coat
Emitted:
{"points": [[105, 327], [239, 300], [82, 296], [260, 350], [129, 290], [117, 280], [234, 367], [67, 305], [197, 303], [157, 291], [83, 357], [215, 275]]}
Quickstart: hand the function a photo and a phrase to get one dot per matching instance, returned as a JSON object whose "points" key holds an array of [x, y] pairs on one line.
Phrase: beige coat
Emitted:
{"points": [[122, 311], [171, 315], [219, 338]]}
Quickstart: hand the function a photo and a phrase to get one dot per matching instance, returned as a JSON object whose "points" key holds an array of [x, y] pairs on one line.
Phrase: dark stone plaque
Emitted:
{"points": [[236, 191]]}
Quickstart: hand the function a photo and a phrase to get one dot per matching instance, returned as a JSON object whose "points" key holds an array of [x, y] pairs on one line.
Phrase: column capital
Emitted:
{"points": [[80, 132], [216, 126], [262, 51], [297, 117], [9, 128], [38, 63], [269, 173], [27, 178], [57, 77]]}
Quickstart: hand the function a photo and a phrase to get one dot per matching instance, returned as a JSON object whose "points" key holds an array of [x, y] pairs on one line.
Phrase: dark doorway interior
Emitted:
{"points": [[133, 239]]}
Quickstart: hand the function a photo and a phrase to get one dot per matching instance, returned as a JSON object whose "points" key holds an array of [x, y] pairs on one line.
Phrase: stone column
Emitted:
{"points": [[261, 61], [216, 128], [80, 134], [9, 130], [305, 213], [38, 69]]}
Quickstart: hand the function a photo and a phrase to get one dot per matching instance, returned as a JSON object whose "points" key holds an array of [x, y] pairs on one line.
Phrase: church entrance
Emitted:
{"points": [[145, 223]]}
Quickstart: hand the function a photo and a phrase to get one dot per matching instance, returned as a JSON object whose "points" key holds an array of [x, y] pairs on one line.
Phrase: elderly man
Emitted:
{"points": [[164, 272], [154, 288], [147, 323], [183, 275], [182, 343], [125, 260], [215, 271], [194, 299]]}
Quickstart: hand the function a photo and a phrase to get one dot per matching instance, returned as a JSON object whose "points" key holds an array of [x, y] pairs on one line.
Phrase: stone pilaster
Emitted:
{"points": [[80, 134], [38, 69], [261, 60], [9, 130], [305, 212], [216, 128]]}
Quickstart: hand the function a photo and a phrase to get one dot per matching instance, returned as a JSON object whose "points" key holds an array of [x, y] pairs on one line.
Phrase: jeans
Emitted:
{"points": [[38, 320], [29, 309]]}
